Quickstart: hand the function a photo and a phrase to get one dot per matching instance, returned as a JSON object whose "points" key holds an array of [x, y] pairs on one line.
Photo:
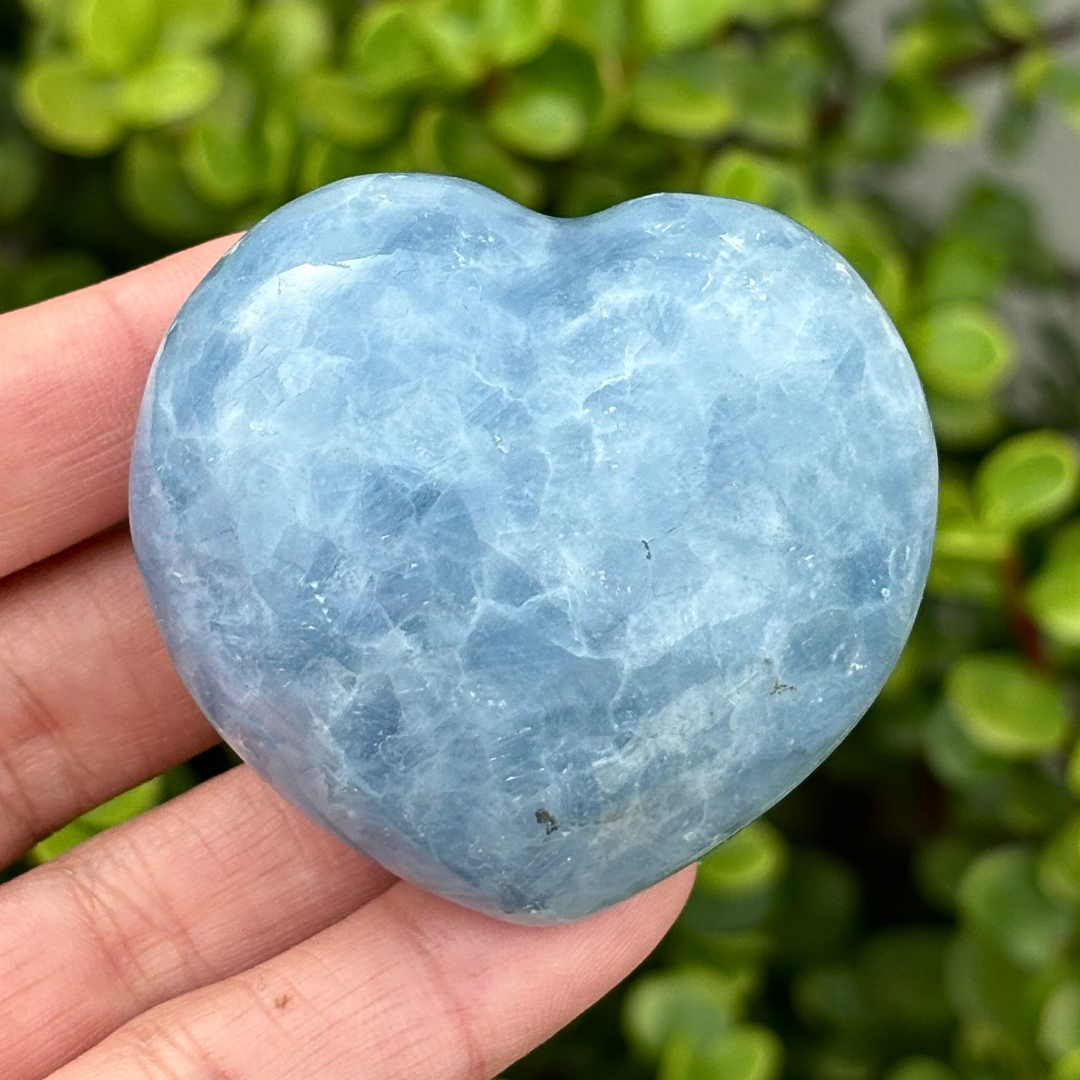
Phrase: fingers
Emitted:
{"points": [[410, 985], [219, 879], [90, 704], [72, 372]]}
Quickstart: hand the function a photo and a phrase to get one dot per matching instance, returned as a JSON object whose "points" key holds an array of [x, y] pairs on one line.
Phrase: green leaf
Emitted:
{"points": [[880, 125], [920, 1067], [53, 274], [1063, 89], [1059, 863], [962, 351], [1028, 480], [545, 110], [223, 166], [1016, 125], [1002, 904], [60, 841], [743, 1052], [342, 107], [1053, 596], [955, 759], [19, 175], [450, 142], [967, 552], [693, 96], [866, 241], [157, 194], [122, 808], [1005, 707], [675, 24], [743, 174], [546, 124], [278, 137], [963, 266], [754, 857], [965, 423], [287, 38], [169, 88], [127, 805], [941, 114], [386, 48], [1072, 773], [986, 987], [452, 31], [1059, 1031], [68, 108], [700, 1003], [1013, 19], [1068, 1067], [778, 90], [112, 36], [191, 25], [597, 25], [518, 30]]}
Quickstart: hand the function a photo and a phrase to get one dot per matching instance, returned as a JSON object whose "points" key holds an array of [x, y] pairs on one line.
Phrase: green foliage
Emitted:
{"points": [[911, 911]]}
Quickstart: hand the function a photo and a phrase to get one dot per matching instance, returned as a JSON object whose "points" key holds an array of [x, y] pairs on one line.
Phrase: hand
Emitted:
{"points": [[221, 934]]}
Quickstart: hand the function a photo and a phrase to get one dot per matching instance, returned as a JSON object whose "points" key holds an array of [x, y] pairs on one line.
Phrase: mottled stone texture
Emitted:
{"points": [[532, 557]]}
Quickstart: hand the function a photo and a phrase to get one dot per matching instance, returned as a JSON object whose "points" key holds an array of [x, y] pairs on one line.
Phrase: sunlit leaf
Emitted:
{"points": [[288, 37], [198, 24], [114, 35], [518, 30], [70, 108], [699, 1002], [962, 351], [1004, 706], [694, 96], [170, 87], [1028, 480], [342, 107]]}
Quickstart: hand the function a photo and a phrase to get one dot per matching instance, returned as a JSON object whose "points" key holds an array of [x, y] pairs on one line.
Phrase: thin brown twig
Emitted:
{"points": [[1005, 49]]}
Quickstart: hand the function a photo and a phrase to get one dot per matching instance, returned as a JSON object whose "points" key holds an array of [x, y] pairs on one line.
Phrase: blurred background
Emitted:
{"points": [[910, 912]]}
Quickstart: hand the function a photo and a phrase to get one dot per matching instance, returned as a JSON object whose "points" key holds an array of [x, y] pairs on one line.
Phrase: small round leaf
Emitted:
{"points": [[169, 88], [1005, 707], [754, 857], [1028, 480], [962, 351], [699, 1002], [1002, 904], [114, 35], [690, 97], [69, 108], [1053, 597]]}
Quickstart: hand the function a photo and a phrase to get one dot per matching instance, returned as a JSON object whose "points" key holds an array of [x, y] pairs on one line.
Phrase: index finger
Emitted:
{"points": [[72, 371]]}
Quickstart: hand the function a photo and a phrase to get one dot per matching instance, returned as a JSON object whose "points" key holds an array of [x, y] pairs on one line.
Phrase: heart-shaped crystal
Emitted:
{"points": [[532, 557]]}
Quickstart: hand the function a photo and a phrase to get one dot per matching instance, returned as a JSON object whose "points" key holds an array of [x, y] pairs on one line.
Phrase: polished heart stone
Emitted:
{"points": [[532, 557]]}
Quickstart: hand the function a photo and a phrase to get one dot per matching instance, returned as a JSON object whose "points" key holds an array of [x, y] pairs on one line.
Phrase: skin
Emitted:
{"points": [[222, 934]]}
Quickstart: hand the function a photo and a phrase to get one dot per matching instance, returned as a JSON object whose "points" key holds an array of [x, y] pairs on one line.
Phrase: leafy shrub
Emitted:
{"points": [[910, 911]]}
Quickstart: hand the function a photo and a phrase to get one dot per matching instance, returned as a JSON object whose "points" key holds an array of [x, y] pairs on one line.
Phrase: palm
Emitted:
{"points": [[221, 934]]}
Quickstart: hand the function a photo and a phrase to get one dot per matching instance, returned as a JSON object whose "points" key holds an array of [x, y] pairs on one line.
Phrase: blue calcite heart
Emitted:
{"points": [[532, 557]]}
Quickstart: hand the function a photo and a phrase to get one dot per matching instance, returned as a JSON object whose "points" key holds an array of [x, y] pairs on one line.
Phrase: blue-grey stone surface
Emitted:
{"points": [[532, 557]]}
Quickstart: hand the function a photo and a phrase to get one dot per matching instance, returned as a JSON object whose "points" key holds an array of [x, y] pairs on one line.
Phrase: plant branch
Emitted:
{"points": [[1005, 49]]}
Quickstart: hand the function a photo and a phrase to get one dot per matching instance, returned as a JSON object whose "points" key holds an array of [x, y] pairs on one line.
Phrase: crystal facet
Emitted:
{"points": [[532, 557]]}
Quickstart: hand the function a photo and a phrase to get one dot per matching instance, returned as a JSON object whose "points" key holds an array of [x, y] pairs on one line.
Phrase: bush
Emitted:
{"points": [[911, 910]]}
